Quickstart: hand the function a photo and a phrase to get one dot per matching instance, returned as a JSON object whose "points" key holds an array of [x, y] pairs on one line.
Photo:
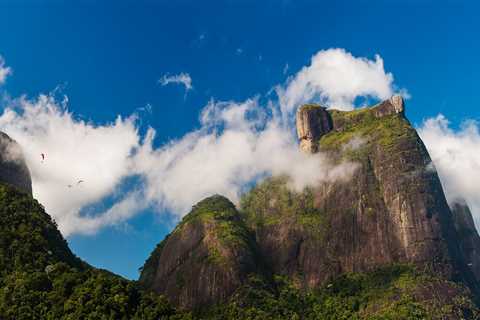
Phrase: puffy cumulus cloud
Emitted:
{"points": [[457, 160], [4, 71], [181, 78], [225, 155], [236, 144], [74, 150], [335, 77]]}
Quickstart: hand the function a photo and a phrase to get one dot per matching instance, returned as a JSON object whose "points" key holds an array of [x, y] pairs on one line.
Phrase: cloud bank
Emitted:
{"points": [[456, 157], [236, 144], [181, 78]]}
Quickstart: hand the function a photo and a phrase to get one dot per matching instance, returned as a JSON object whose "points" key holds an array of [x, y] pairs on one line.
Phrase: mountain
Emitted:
{"points": [[392, 210], [377, 242], [389, 215]]}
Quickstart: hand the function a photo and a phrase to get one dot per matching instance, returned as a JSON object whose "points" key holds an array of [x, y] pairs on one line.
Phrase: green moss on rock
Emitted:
{"points": [[385, 131], [273, 201]]}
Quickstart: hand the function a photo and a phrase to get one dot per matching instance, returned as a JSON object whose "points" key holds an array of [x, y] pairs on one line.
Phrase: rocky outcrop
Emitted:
{"points": [[208, 255], [13, 168], [391, 106], [312, 123]]}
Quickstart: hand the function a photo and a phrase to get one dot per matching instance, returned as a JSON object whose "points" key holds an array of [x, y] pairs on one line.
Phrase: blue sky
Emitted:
{"points": [[108, 58]]}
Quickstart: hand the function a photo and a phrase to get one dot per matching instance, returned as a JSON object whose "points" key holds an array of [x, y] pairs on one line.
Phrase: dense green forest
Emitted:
{"points": [[40, 278]]}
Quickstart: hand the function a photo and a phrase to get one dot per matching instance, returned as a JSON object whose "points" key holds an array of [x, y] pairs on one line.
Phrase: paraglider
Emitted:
{"points": [[43, 156], [76, 185]]}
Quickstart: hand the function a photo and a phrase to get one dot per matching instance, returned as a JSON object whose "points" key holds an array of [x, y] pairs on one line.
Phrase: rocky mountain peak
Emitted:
{"points": [[314, 121], [13, 167]]}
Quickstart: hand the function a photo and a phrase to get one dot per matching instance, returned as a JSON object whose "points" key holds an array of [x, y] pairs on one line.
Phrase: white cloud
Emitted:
{"points": [[74, 149], [237, 143], [4, 71], [335, 77], [457, 160], [181, 78]]}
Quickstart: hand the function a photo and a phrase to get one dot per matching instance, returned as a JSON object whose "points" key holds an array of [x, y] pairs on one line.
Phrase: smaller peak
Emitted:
{"points": [[216, 206], [215, 200]]}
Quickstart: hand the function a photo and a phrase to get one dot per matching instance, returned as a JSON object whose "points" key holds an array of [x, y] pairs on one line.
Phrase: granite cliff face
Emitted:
{"points": [[13, 168], [392, 210]]}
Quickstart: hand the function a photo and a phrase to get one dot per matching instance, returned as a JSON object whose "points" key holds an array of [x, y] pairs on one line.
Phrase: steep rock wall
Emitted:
{"points": [[392, 210]]}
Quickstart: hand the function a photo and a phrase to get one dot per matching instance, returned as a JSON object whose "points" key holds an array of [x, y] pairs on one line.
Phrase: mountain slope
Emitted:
{"points": [[40, 278]]}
